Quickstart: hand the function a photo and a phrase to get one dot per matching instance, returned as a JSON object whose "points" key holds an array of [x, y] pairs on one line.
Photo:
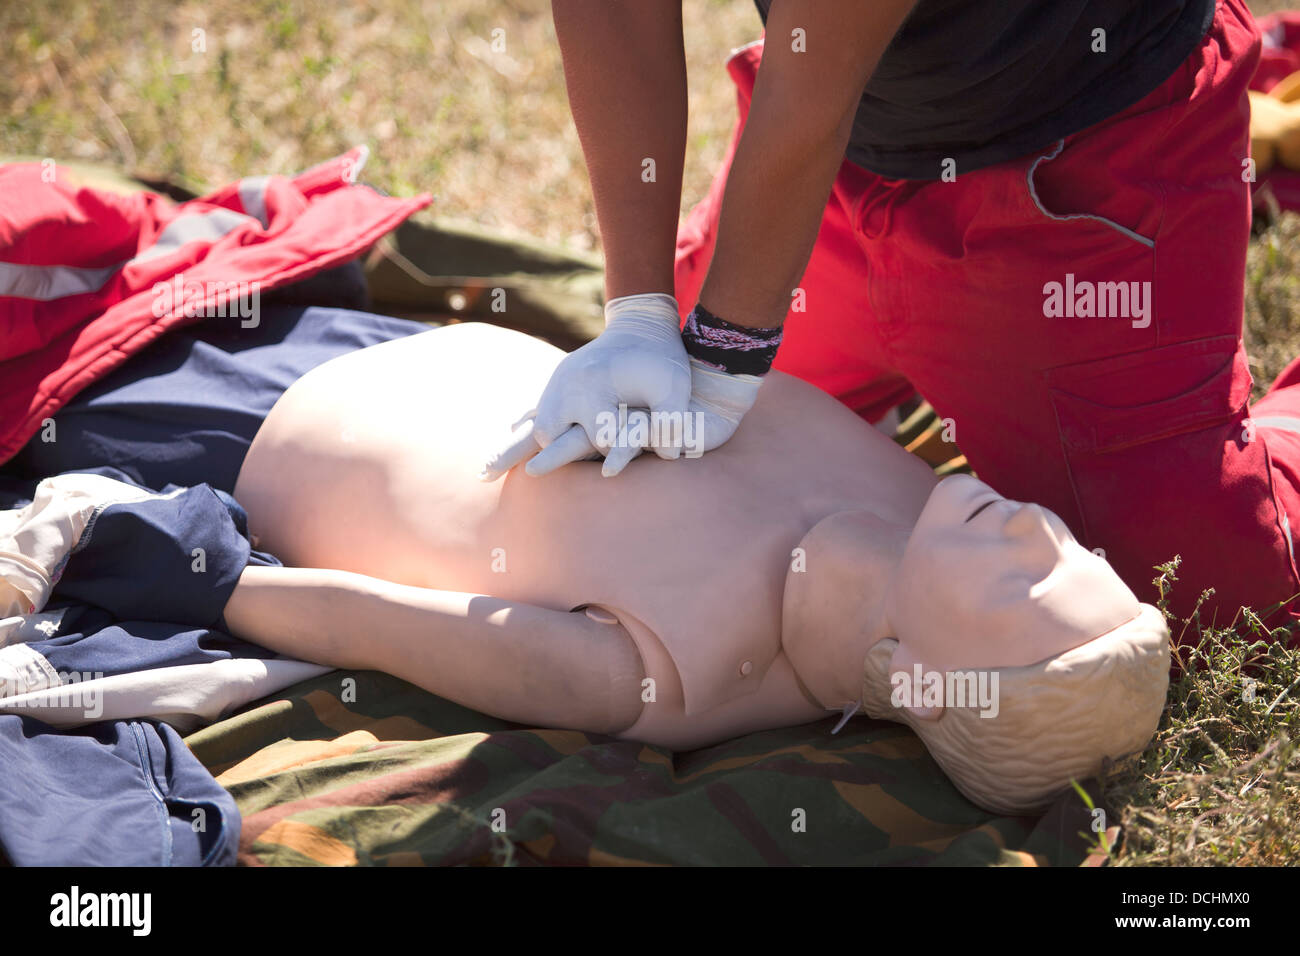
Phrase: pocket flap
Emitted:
{"points": [[1142, 396]]}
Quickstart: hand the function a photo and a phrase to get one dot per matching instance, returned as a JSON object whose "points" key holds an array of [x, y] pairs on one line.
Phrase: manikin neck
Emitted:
{"points": [[834, 610]]}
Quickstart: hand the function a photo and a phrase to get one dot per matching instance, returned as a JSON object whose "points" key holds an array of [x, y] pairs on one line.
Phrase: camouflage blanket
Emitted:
{"points": [[359, 768]]}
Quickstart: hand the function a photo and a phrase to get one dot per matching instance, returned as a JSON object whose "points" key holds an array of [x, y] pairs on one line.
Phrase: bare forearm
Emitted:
{"points": [[770, 216], [805, 98], [512, 660], [625, 70]]}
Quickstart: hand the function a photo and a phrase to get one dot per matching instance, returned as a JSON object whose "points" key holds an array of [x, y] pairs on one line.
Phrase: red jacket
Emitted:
{"points": [[88, 277]]}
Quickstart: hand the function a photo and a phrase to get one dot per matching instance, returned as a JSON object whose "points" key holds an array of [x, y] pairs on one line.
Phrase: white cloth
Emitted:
{"points": [[187, 696]]}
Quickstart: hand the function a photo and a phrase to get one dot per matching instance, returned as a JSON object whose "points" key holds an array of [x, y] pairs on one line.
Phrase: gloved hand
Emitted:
{"points": [[638, 361], [719, 400]]}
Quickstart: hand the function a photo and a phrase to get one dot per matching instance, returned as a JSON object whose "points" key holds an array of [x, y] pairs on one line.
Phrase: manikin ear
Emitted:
{"points": [[907, 680]]}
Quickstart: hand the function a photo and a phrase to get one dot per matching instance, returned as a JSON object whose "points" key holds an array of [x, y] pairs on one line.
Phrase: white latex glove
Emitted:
{"points": [[638, 361], [719, 401]]}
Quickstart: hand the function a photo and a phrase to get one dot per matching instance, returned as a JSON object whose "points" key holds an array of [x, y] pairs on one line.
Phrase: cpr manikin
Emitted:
{"points": [[809, 565]]}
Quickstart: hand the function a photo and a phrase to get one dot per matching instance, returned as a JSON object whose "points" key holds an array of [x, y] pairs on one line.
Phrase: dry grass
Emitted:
{"points": [[1220, 784], [1273, 300], [282, 84]]}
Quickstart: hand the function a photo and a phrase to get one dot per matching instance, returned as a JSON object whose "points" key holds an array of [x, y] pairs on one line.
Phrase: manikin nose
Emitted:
{"points": [[1029, 524]]}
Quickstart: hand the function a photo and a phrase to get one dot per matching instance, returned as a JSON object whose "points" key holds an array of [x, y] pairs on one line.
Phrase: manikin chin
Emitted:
{"points": [[807, 566]]}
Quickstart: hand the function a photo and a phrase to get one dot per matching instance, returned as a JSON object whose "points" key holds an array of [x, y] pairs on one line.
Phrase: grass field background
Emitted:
{"points": [[209, 92], [283, 85]]}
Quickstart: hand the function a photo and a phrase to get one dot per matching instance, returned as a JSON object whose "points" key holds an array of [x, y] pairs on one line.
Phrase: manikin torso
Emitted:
{"points": [[369, 463]]}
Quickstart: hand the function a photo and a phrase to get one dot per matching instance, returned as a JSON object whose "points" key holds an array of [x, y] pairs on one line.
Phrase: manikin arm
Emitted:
{"points": [[516, 661]]}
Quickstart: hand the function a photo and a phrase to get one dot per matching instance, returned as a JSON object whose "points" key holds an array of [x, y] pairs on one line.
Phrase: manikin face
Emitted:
{"points": [[985, 582]]}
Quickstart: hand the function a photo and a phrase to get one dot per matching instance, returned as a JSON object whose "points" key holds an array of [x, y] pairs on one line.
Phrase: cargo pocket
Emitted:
{"points": [[1120, 401], [1162, 461]]}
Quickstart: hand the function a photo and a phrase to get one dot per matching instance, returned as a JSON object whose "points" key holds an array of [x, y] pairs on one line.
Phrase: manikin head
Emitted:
{"points": [[1019, 657]]}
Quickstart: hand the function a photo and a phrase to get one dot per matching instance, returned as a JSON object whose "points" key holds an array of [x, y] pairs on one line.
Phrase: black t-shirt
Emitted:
{"points": [[982, 82]]}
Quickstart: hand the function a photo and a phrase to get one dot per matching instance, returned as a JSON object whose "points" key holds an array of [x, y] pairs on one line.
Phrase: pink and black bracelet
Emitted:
{"points": [[731, 348]]}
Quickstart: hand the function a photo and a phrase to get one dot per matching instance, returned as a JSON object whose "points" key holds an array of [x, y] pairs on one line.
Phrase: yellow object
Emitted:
{"points": [[1288, 91], [1275, 125], [1270, 121]]}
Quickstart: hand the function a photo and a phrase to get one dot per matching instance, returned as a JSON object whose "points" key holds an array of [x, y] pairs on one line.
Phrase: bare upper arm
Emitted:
{"points": [[819, 56]]}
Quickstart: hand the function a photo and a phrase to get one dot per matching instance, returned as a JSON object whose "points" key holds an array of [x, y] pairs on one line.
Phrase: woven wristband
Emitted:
{"points": [[731, 348]]}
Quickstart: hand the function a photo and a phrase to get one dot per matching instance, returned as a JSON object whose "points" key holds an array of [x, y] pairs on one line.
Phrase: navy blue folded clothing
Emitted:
{"points": [[125, 793], [145, 585], [184, 410], [175, 557]]}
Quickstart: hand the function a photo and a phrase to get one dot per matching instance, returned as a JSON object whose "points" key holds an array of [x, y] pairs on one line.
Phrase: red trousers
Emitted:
{"points": [[1077, 315]]}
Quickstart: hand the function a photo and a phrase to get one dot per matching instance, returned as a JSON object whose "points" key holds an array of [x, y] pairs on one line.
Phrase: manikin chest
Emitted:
{"points": [[369, 464]]}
